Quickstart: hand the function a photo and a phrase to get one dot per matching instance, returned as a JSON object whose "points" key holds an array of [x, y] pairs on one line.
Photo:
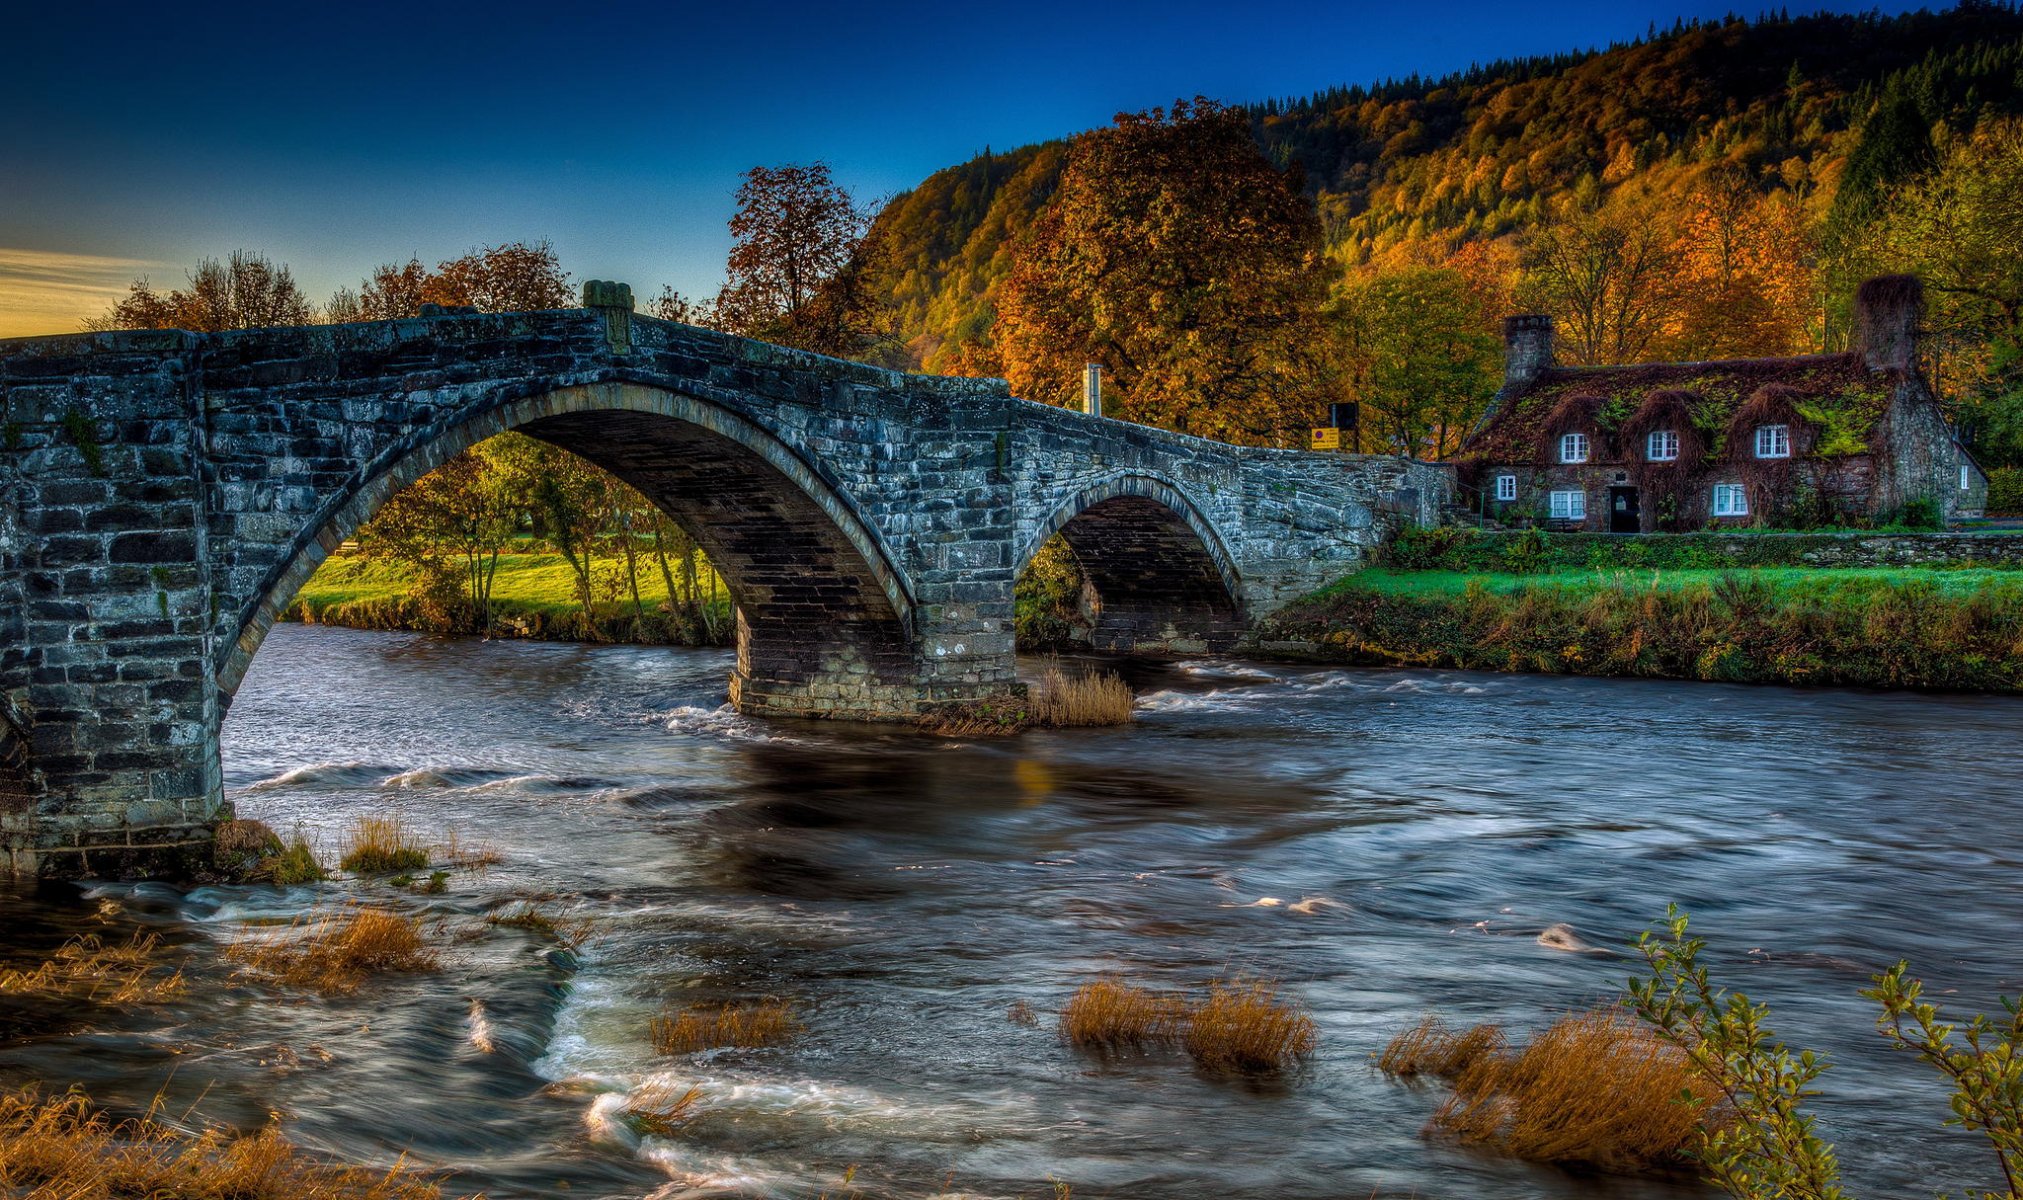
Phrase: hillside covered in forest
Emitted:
{"points": [[1739, 175]]}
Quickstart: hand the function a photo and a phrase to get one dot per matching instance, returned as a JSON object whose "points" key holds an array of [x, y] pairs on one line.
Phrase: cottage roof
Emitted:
{"points": [[1837, 389]]}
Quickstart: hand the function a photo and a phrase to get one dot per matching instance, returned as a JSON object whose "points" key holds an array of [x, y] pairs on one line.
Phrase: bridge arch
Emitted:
{"points": [[820, 597], [1157, 574]]}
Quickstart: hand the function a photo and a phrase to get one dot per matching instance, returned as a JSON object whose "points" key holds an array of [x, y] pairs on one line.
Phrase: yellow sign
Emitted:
{"points": [[1327, 439]]}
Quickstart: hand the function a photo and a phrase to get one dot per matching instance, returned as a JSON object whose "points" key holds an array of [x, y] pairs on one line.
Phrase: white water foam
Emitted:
{"points": [[344, 774], [1222, 669], [481, 1029], [721, 722]]}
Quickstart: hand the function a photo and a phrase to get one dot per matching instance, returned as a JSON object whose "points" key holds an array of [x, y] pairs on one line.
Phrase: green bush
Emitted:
{"points": [[2005, 492]]}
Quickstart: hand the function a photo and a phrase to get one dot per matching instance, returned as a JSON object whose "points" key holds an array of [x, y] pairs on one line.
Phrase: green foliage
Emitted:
{"points": [[1419, 359], [1528, 551], [1766, 1149], [1842, 429], [296, 864], [84, 435], [1047, 598], [2005, 491], [1984, 1063], [1921, 514]]}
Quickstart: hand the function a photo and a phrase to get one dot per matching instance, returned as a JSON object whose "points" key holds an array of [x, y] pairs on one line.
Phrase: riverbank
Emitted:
{"points": [[533, 596], [1928, 628]]}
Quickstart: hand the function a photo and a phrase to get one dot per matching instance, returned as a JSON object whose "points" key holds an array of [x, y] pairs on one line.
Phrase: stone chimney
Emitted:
{"points": [[1527, 349], [1887, 310]]}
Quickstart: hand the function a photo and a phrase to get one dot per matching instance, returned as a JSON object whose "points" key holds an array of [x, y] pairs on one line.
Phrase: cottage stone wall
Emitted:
{"points": [[167, 493]]}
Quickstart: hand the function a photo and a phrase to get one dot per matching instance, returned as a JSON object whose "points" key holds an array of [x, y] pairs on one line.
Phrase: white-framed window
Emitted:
{"points": [[1506, 485], [1773, 441], [1966, 479], [1569, 506], [1731, 500], [1662, 445], [1573, 448]]}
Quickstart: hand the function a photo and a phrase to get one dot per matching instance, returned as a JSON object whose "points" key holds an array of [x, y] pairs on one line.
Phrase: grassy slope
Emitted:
{"points": [[1954, 629], [540, 583]]}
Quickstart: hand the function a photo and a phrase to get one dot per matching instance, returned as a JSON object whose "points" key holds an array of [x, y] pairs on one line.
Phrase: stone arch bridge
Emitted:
{"points": [[163, 495]]}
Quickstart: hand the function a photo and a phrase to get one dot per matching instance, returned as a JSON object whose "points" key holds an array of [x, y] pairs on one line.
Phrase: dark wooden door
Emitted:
{"points": [[1625, 515]]}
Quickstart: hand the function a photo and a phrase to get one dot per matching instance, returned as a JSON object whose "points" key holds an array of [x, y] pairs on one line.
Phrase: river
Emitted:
{"points": [[1384, 842]]}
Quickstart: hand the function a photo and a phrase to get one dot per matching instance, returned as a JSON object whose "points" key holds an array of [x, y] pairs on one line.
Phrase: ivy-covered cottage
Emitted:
{"points": [[1816, 440]]}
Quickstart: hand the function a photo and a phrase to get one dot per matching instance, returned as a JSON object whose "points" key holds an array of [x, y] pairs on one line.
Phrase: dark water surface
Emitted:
{"points": [[1385, 842]]}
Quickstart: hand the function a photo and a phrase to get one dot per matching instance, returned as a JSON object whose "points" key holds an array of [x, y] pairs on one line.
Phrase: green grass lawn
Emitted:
{"points": [[540, 583], [1784, 581]]}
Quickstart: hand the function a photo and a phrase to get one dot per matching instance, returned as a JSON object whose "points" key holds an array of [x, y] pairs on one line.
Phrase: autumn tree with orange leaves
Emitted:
{"points": [[1176, 255], [514, 277]]}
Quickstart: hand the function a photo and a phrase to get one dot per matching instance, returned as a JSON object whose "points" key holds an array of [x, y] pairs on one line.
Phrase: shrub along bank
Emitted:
{"points": [[1452, 548], [1894, 628]]}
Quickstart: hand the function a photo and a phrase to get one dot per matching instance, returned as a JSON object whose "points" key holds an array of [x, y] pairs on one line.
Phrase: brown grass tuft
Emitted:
{"points": [[1245, 1026], [1598, 1089], [660, 1110], [86, 968], [1433, 1048], [1092, 698], [571, 932], [475, 857], [244, 838], [1022, 1013], [336, 952], [381, 845], [1110, 1014], [62, 1149], [743, 1026]]}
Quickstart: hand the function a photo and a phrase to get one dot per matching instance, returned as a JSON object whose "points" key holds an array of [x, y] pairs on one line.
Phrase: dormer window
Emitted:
{"points": [[1773, 441], [1662, 446], [1573, 448]]}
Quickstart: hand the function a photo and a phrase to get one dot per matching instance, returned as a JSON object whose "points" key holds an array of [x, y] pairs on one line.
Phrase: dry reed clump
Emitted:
{"points": [[660, 1110], [1110, 1014], [746, 1026], [1022, 1013], [1598, 1088], [336, 952], [86, 968], [382, 845], [1245, 1026], [61, 1149], [475, 857], [1089, 699], [1241, 1025], [1434, 1048]]}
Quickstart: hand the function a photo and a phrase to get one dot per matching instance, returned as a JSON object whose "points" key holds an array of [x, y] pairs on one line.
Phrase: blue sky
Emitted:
{"points": [[135, 139]]}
